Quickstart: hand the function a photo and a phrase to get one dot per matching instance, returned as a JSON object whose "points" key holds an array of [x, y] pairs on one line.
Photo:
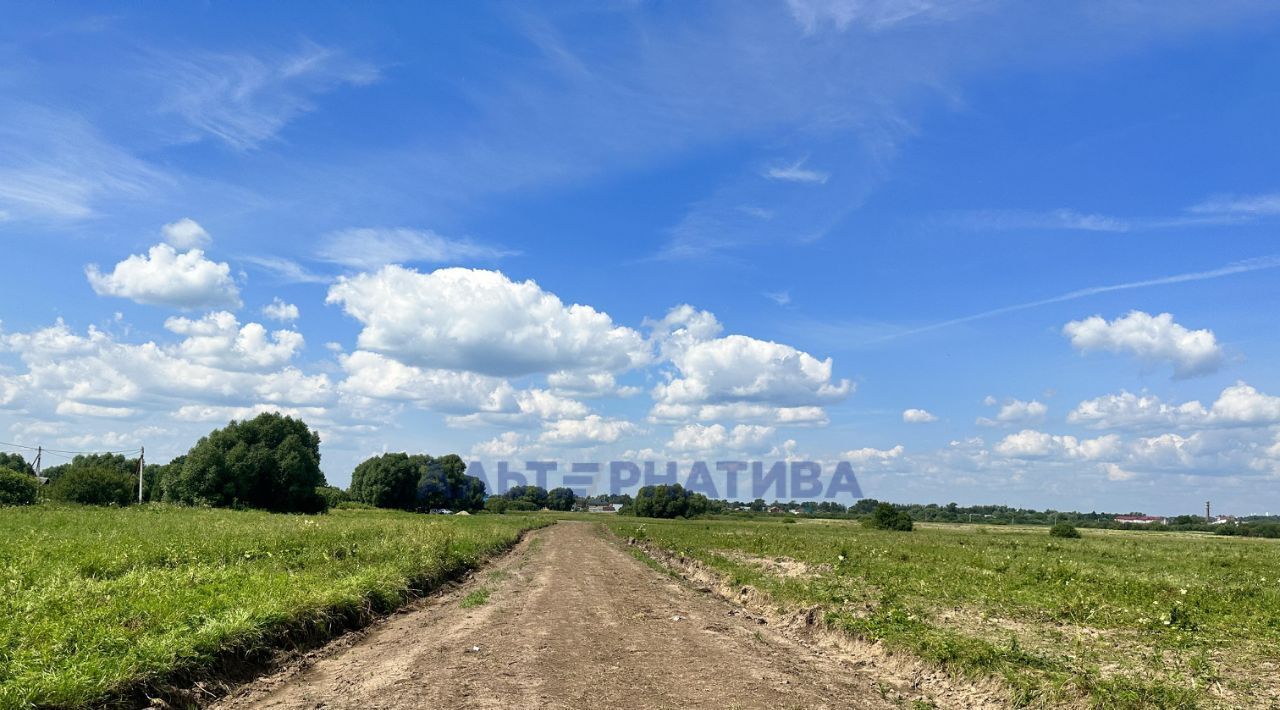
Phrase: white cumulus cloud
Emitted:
{"points": [[1238, 405], [165, 277], [737, 369], [1016, 411], [589, 384], [185, 234], [867, 455], [1032, 444], [744, 438], [588, 431], [482, 321], [218, 364], [218, 340], [281, 311], [918, 416], [1150, 338]]}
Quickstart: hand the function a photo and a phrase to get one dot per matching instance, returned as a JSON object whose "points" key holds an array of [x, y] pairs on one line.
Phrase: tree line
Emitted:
{"points": [[271, 462]]}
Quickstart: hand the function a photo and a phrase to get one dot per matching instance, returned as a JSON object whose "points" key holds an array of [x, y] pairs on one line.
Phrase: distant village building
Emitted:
{"points": [[606, 508], [1140, 519]]}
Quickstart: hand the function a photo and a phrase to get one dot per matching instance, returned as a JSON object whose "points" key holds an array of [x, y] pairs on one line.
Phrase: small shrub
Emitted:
{"points": [[497, 505], [887, 517], [94, 486], [354, 505], [521, 505], [332, 495], [17, 488], [1064, 530]]}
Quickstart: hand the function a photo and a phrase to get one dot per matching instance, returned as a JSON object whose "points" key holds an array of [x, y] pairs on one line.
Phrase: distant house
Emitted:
{"points": [[1223, 519], [776, 509], [606, 508], [1140, 519]]}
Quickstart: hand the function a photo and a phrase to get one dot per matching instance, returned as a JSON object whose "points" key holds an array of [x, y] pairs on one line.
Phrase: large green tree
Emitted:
{"points": [[561, 498], [271, 461], [535, 496], [417, 482], [388, 481], [668, 501], [445, 484], [156, 477], [15, 462]]}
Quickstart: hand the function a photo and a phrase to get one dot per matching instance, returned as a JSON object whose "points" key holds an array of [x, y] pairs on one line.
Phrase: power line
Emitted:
{"points": [[61, 451]]}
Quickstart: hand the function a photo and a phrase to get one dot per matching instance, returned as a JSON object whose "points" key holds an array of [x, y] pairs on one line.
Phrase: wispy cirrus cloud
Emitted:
{"points": [[245, 99], [1245, 205], [1066, 219], [797, 172], [286, 270], [875, 15], [1216, 210], [370, 248], [56, 165]]}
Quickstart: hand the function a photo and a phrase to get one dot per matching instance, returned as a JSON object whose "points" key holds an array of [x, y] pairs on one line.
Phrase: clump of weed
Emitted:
{"points": [[479, 597]]}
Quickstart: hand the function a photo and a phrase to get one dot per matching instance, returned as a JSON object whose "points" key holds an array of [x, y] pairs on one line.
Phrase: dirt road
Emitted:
{"points": [[571, 621]]}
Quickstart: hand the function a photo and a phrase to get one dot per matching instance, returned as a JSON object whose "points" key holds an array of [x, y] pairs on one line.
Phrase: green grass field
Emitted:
{"points": [[1116, 619], [96, 602]]}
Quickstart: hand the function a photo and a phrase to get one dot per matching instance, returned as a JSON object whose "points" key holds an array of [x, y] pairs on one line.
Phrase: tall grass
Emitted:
{"points": [[95, 602], [1120, 619]]}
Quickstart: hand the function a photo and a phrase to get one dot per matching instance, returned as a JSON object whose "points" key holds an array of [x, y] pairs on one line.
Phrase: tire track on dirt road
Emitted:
{"points": [[572, 621]]}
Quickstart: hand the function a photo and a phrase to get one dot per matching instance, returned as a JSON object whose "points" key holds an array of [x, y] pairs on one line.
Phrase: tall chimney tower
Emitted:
{"points": [[1207, 517]]}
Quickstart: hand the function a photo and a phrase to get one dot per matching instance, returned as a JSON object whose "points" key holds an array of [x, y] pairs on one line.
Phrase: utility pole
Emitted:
{"points": [[142, 458], [39, 454]]}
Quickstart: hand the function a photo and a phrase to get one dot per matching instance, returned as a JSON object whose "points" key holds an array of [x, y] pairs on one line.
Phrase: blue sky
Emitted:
{"points": [[988, 252]]}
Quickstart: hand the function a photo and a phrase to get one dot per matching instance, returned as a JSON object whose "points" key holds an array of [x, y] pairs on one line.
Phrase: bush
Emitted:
{"points": [[522, 506], [887, 517], [497, 504], [354, 505], [94, 486], [535, 496], [17, 488], [333, 495], [1064, 530]]}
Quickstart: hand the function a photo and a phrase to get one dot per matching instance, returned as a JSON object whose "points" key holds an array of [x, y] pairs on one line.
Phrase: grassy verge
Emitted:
{"points": [[97, 604], [1127, 620]]}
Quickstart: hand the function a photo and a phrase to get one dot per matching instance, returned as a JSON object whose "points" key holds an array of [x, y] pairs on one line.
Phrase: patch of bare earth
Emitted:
{"points": [[573, 621], [902, 676]]}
